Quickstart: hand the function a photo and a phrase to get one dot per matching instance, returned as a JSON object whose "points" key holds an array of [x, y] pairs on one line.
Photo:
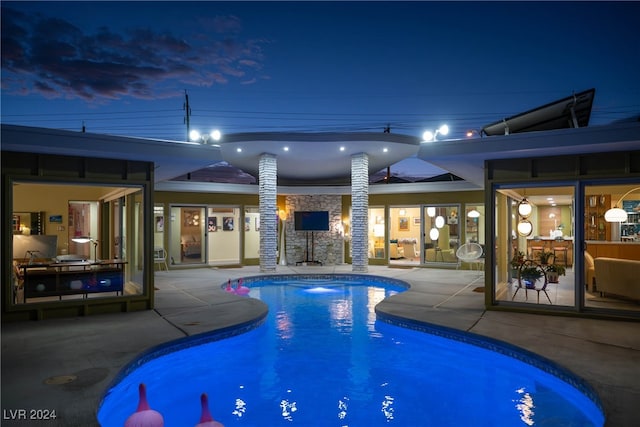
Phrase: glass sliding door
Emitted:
{"points": [[535, 251], [404, 235], [611, 253], [442, 231], [187, 235]]}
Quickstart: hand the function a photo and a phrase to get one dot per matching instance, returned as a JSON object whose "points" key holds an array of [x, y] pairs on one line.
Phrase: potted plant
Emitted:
{"points": [[554, 271], [529, 274], [544, 257]]}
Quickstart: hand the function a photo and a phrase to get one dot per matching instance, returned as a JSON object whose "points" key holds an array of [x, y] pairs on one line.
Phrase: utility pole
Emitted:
{"points": [[187, 111]]}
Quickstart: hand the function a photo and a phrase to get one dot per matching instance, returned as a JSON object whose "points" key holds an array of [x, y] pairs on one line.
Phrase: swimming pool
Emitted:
{"points": [[323, 358]]}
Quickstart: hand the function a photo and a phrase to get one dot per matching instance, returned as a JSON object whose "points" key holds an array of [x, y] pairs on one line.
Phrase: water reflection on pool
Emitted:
{"points": [[323, 359]]}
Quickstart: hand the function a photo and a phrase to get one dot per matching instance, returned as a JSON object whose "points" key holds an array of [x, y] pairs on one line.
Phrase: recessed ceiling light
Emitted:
{"points": [[239, 150], [385, 149], [342, 148], [285, 148]]}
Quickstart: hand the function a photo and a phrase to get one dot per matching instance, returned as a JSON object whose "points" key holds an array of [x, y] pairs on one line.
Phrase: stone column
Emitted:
{"points": [[268, 190], [360, 212]]}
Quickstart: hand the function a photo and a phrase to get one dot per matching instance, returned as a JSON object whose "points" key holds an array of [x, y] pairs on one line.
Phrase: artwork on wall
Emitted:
{"points": [[416, 220], [159, 224], [257, 224], [212, 224], [247, 224], [227, 223], [55, 218], [403, 223]]}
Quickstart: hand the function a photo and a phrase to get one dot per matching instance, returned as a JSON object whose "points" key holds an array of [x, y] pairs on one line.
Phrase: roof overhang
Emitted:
{"points": [[171, 158], [307, 157], [466, 158]]}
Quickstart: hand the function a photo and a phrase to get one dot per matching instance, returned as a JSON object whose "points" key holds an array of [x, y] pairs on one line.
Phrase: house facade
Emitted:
{"points": [[111, 202]]}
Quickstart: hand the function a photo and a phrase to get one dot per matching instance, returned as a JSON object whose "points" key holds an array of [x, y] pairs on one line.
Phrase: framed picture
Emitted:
{"points": [[55, 218], [416, 220], [159, 224], [212, 224], [403, 223], [227, 223], [247, 224], [257, 224]]}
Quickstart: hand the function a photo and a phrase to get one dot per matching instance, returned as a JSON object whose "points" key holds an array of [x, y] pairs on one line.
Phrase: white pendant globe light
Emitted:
{"points": [[524, 208], [473, 214], [525, 228], [439, 221], [434, 234], [431, 211]]}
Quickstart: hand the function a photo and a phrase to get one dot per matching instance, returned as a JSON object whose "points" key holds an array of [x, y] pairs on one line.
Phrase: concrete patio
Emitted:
{"points": [[66, 364]]}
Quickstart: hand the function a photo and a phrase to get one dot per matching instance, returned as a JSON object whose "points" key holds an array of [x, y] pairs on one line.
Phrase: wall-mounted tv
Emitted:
{"points": [[311, 220]]}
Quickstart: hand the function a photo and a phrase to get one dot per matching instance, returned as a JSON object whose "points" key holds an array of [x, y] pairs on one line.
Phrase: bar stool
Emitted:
{"points": [[537, 247], [560, 245]]}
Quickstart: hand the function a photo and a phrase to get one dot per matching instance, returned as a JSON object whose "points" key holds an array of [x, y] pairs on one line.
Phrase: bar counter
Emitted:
{"points": [[548, 244]]}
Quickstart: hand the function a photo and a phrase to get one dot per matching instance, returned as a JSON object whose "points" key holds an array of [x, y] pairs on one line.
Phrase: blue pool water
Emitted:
{"points": [[322, 359]]}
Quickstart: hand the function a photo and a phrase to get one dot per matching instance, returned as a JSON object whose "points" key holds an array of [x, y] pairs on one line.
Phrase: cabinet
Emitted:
{"points": [[595, 226], [69, 278]]}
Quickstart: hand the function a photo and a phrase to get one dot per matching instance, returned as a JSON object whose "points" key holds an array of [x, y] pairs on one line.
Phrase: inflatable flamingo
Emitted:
{"points": [[206, 420], [229, 288], [144, 415], [241, 290]]}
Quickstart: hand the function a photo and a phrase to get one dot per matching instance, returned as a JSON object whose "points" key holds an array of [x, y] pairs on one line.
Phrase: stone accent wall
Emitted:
{"points": [[359, 212], [328, 246], [268, 181]]}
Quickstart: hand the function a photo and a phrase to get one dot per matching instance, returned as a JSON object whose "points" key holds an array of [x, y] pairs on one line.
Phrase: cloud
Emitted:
{"points": [[56, 59]]}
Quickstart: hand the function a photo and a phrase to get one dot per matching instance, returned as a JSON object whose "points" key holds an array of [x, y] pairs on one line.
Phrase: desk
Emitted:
{"points": [[68, 278]]}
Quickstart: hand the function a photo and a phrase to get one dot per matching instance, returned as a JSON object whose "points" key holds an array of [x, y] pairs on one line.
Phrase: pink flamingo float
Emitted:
{"points": [[206, 420], [229, 288], [144, 415], [241, 290]]}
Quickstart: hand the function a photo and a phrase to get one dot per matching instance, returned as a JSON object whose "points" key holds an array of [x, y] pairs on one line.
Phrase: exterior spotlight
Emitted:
{"points": [[196, 136], [429, 136]]}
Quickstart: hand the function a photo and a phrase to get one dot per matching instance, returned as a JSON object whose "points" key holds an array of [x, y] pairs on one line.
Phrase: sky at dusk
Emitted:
{"points": [[123, 68]]}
